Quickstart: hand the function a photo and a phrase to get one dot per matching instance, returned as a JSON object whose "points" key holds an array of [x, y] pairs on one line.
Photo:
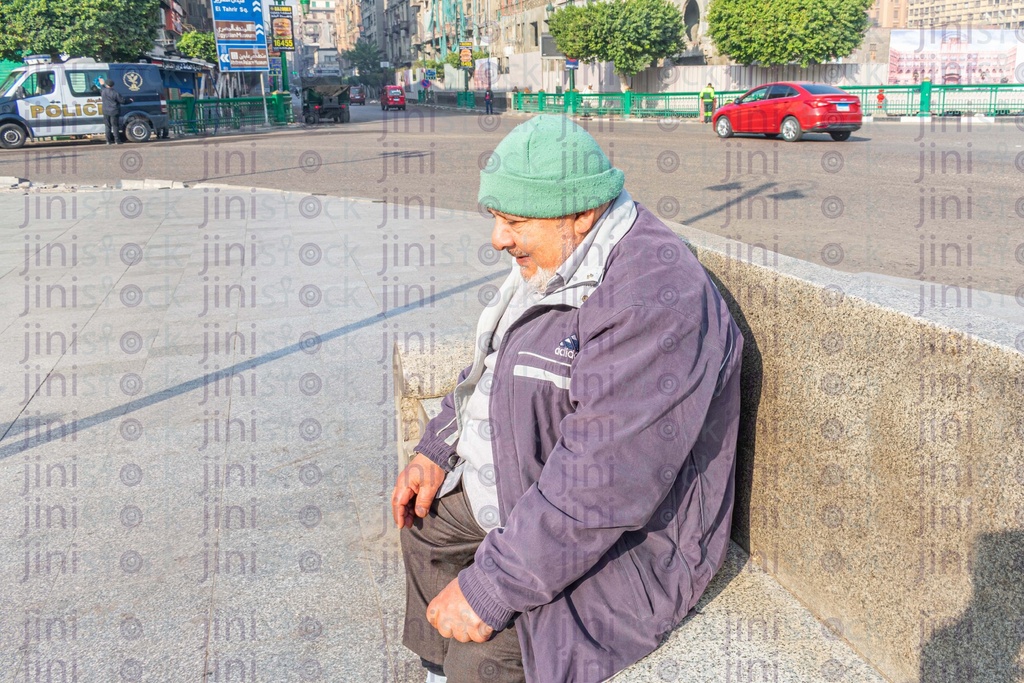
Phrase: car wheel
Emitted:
{"points": [[771, 136], [137, 130], [12, 136], [840, 135], [791, 129], [723, 127]]}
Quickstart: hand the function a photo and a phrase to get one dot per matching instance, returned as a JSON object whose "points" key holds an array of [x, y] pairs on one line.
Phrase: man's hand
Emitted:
{"points": [[420, 480], [452, 616]]}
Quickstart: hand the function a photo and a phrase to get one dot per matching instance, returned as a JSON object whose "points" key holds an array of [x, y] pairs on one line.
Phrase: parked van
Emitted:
{"points": [[357, 95], [45, 99]]}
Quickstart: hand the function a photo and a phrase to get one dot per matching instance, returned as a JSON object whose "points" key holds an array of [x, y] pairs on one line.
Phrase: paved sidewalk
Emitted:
{"points": [[198, 442]]}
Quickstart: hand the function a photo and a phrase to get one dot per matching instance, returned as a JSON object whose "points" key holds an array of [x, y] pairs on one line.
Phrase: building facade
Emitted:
{"points": [[1005, 14]]}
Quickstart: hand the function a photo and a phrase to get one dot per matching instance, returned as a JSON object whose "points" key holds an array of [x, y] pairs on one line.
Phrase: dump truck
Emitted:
{"points": [[325, 98]]}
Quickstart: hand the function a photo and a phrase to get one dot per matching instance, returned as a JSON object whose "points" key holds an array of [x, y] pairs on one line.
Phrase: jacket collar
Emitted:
{"points": [[573, 281], [585, 267]]}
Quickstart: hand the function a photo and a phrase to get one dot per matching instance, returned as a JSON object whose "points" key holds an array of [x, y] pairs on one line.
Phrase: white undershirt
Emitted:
{"points": [[474, 445]]}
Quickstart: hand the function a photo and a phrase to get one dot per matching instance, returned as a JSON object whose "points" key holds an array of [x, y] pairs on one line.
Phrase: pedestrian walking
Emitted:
{"points": [[112, 101], [707, 102], [489, 101]]}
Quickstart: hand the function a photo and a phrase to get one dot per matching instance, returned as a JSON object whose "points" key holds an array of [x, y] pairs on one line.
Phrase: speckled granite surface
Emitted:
{"points": [[747, 628], [881, 469]]}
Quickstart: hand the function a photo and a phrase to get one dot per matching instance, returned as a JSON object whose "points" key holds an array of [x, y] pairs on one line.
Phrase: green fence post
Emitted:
{"points": [[279, 114], [926, 98], [540, 100], [627, 103], [190, 112], [519, 101]]}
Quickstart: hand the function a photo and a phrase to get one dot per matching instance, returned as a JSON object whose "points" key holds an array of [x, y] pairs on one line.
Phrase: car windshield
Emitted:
{"points": [[819, 89], [10, 80]]}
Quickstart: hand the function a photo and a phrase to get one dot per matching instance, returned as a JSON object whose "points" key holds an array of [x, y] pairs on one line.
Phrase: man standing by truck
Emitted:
{"points": [[112, 101]]}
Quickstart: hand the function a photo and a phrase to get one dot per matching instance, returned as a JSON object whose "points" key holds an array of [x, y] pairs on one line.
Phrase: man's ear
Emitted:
{"points": [[586, 220]]}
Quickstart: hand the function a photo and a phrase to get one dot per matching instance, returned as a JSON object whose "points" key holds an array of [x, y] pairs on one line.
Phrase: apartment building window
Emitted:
{"points": [[534, 34]]}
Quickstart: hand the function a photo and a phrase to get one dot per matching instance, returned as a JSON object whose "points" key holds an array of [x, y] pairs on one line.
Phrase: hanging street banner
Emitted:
{"points": [[238, 27], [466, 54], [282, 36]]}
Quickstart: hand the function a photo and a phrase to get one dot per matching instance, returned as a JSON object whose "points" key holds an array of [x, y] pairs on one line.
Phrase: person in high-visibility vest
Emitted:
{"points": [[707, 102]]}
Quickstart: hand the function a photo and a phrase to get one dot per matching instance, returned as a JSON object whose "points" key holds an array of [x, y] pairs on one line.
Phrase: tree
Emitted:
{"points": [[198, 45], [776, 32], [107, 30], [366, 57], [632, 34]]}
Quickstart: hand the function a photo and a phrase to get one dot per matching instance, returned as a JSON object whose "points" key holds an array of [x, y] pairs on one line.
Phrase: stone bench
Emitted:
{"points": [[880, 481], [746, 627]]}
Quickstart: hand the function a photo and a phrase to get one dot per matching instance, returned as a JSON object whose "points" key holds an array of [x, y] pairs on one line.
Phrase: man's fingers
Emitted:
{"points": [[424, 498], [399, 503]]}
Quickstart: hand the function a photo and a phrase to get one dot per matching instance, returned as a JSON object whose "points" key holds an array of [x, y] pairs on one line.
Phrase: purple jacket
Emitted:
{"points": [[615, 414]]}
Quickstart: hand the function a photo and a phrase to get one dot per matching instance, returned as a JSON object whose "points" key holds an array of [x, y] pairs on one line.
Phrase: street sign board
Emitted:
{"points": [[282, 36], [571, 64], [385, 65], [240, 34], [431, 74], [548, 48], [466, 53], [275, 66]]}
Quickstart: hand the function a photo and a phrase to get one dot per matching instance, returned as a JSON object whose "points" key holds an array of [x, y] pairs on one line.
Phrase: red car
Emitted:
{"points": [[791, 110], [392, 98], [356, 95]]}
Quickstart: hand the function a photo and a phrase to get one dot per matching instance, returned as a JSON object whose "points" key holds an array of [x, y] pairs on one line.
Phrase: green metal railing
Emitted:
{"points": [[990, 100], [897, 100], [221, 115]]}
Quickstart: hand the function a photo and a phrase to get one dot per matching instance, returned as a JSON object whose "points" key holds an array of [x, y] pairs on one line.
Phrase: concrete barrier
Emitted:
{"points": [[880, 474]]}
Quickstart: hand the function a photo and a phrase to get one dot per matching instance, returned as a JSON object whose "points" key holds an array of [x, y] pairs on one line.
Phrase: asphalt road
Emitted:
{"points": [[924, 202]]}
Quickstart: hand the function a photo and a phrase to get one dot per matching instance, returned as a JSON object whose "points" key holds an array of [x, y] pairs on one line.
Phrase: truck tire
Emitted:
{"points": [[12, 136]]}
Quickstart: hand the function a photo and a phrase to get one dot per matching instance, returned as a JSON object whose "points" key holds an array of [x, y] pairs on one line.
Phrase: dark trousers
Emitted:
{"points": [[110, 126], [488, 106], [709, 108], [435, 550]]}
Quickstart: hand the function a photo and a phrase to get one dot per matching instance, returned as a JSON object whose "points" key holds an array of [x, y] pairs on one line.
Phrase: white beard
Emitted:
{"points": [[539, 282]]}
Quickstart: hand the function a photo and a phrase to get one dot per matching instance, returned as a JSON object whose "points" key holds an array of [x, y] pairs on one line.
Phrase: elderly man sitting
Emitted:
{"points": [[573, 499]]}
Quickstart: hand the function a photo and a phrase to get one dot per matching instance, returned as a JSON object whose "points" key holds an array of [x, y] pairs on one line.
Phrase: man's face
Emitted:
{"points": [[539, 245]]}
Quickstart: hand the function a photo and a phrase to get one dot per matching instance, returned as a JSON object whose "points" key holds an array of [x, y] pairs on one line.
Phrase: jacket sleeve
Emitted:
{"points": [[642, 384], [443, 426]]}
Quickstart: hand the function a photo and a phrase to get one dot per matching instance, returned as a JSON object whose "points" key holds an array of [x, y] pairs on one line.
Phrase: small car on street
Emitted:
{"points": [[393, 97], [357, 95], [791, 110]]}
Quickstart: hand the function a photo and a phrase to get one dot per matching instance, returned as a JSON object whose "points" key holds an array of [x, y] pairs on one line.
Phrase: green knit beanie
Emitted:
{"points": [[548, 167]]}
